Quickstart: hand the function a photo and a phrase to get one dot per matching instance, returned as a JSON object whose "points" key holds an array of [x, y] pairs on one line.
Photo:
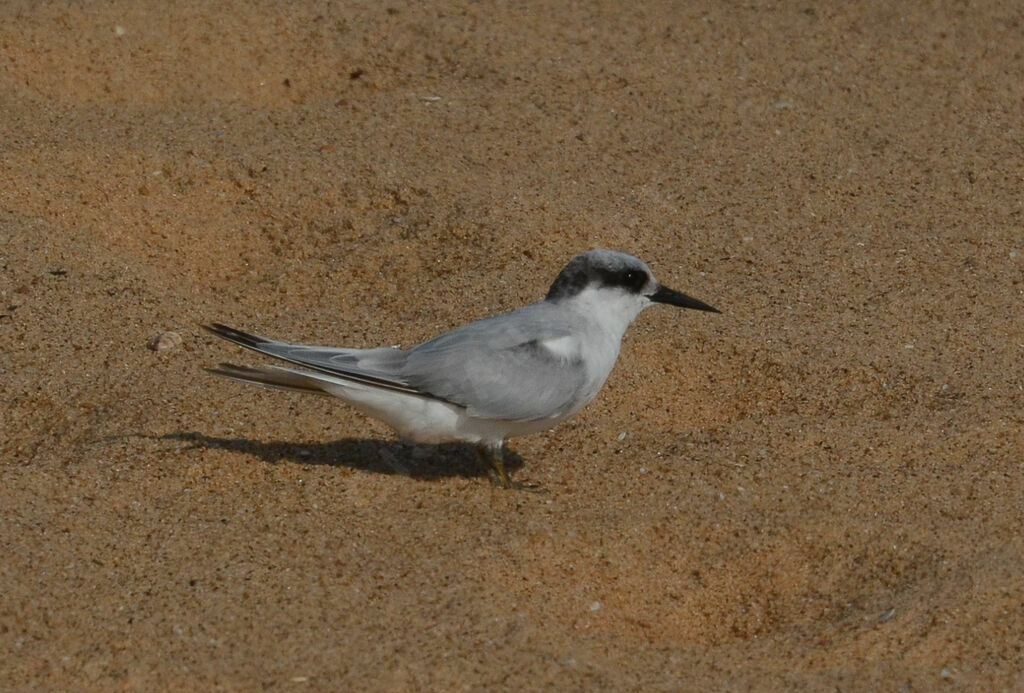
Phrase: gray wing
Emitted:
{"points": [[501, 367]]}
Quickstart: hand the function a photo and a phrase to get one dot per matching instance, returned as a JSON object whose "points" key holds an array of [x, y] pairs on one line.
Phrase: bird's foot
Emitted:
{"points": [[499, 477], [494, 458]]}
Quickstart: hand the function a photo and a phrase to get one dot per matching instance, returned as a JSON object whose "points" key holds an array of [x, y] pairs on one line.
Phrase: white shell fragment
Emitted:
{"points": [[165, 341]]}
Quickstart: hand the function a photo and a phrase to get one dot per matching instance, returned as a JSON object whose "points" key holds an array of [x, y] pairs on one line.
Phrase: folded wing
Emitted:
{"points": [[516, 367]]}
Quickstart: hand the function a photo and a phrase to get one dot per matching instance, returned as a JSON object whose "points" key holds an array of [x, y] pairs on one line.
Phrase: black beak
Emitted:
{"points": [[674, 298]]}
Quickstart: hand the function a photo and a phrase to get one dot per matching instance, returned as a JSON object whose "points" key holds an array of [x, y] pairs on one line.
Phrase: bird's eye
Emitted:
{"points": [[634, 279]]}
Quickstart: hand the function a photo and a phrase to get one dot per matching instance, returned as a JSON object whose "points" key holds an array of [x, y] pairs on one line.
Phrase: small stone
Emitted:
{"points": [[595, 606], [165, 341]]}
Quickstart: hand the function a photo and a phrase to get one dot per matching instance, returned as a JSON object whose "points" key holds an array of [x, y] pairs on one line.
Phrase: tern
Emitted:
{"points": [[499, 377]]}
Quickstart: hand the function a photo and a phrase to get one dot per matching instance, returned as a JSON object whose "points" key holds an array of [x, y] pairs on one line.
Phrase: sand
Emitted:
{"points": [[819, 489]]}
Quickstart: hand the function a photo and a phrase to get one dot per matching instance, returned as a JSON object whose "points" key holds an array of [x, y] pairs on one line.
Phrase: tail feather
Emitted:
{"points": [[272, 377], [299, 355]]}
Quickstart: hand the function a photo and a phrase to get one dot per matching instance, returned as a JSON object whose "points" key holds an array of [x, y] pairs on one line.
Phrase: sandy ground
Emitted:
{"points": [[819, 489]]}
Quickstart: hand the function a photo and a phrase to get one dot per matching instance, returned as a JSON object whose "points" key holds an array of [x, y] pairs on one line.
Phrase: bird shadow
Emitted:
{"points": [[425, 462]]}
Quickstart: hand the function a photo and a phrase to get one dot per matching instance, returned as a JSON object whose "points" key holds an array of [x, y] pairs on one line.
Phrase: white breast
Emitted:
{"points": [[607, 314]]}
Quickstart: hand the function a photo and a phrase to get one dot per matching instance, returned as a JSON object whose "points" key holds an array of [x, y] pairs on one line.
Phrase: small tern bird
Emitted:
{"points": [[503, 376]]}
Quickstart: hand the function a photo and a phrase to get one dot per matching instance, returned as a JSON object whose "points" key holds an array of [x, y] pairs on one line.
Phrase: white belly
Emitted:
{"points": [[425, 420]]}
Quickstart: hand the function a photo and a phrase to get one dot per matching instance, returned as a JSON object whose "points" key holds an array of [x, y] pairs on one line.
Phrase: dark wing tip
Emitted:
{"points": [[245, 339]]}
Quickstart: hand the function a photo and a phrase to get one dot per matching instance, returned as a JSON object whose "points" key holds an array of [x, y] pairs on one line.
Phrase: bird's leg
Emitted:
{"points": [[493, 456]]}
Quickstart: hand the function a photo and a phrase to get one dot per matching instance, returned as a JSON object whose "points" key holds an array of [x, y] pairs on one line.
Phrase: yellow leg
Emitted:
{"points": [[494, 458]]}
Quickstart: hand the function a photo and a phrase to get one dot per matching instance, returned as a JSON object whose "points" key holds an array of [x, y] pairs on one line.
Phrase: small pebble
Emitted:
{"points": [[596, 606], [165, 341]]}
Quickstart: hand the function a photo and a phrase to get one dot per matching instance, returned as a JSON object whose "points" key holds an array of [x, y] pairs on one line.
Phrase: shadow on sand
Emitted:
{"points": [[380, 456]]}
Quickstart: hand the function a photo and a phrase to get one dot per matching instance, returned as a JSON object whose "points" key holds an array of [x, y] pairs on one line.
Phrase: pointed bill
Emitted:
{"points": [[675, 298]]}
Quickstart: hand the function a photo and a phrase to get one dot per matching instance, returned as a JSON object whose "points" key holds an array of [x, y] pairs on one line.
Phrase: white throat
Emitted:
{"points": [[610, 310]]}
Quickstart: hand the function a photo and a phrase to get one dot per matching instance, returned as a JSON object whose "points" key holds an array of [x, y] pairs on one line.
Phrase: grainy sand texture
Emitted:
{"points": [[820, 489]]}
